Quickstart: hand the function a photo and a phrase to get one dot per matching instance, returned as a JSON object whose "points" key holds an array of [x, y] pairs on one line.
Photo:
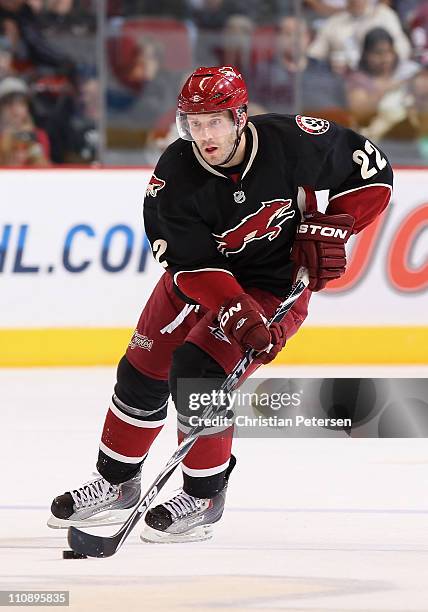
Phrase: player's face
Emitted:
{"points": [[214, 134]]}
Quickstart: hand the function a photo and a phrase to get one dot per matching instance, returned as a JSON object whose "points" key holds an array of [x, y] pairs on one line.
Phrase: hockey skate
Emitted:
{"points": [[96, 503], [185, 518]]}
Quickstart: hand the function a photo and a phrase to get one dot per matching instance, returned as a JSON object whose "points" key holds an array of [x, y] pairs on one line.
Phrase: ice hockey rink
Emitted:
{"points": [[323, 525]]}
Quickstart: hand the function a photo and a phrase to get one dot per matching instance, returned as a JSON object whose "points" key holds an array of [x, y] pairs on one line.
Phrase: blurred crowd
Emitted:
{"points": [[49, 89], [362, 63]]}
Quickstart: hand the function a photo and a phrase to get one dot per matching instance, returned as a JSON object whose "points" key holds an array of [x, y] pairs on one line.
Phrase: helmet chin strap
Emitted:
{"points": [[235, 146], [238, 137]]}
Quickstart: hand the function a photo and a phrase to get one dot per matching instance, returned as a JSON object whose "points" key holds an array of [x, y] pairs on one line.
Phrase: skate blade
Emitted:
{"points": [[197, 534], [109, 517]]}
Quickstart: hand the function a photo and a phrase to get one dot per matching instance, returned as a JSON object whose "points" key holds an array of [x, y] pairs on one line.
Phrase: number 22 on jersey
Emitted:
{"points": [[362, 159]]}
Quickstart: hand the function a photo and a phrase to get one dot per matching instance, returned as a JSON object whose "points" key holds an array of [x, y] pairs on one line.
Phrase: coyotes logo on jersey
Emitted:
{"points": [[155, 185], [264, 223]]}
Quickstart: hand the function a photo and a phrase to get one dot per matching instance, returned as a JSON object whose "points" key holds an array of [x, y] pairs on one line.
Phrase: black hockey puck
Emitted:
{"points": [[71, 554]]}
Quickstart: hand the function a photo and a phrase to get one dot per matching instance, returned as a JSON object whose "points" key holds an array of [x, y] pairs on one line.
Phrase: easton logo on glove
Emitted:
{"points": [[225, 314], [329, 232]]}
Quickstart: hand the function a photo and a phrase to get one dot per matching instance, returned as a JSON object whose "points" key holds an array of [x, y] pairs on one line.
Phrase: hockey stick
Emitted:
{"points": [[105, 546]]}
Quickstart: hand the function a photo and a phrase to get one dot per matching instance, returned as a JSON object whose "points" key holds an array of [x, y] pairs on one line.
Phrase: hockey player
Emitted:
{"points": [[230, 213]]}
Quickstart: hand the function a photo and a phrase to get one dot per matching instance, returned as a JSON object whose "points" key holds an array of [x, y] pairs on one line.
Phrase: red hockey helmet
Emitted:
{"points": [[211, 90]]}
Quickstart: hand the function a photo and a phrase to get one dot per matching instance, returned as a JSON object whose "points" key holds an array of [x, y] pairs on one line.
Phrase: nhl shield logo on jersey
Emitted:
{"points": [[264, 223], [312, 125], [155, 185]]}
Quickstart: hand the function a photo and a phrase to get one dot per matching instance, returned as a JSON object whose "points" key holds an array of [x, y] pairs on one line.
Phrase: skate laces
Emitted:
{"points": [[94, 492], [183, 504]]}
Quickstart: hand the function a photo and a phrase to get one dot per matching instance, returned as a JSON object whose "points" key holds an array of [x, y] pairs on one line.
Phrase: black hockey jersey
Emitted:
{"points": [[198, 218]]}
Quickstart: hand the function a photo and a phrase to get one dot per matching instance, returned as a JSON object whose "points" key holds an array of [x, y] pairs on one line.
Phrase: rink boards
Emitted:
{"points": [[76, 269]]}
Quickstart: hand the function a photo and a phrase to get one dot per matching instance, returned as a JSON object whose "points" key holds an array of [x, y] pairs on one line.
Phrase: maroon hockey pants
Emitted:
{"points": [[164, 325]]}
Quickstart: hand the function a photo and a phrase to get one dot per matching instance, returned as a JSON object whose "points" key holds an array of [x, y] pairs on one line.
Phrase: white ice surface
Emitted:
{"points": [[327, 525]]}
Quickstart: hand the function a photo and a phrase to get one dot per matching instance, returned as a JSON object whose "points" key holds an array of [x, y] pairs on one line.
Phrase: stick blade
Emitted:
{"points": [[92, 545]]}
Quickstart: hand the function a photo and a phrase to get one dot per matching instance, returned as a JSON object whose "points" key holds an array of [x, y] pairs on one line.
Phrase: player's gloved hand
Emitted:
{"points": [[278, 340], [243, 319], [320, 247]]}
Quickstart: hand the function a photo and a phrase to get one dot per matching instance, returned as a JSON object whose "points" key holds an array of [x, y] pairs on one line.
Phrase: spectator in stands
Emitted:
{"points": [[340, 37], [74, 17], [10, 31], [141, 90], [178, 9], [403, 115], [290, 81], [236, 44], [418, 109], [418, 26], [404, 8], [60, 7], [21, 142], [213, 14], [6, 57], [32, 43], [326, 8], [209, 19], [83, 140], [380, 72]]}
